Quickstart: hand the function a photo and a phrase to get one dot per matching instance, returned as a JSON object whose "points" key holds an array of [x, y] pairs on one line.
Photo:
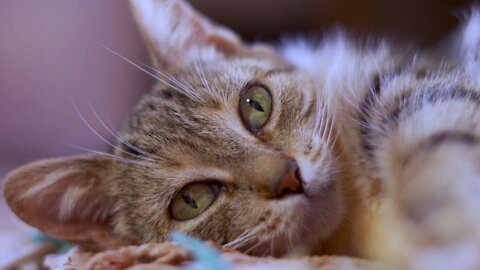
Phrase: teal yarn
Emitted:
{"points": [[61, 246], [205, 256]]}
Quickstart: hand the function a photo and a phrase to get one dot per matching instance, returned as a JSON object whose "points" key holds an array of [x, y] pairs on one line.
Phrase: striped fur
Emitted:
{"points": [[411, 123], [387, 140]]}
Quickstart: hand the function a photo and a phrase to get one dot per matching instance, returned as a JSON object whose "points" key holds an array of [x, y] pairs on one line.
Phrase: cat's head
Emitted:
{"points": [[233, 144]]}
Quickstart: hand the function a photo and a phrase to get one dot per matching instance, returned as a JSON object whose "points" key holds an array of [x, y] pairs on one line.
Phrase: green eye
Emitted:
{"points": [[192, 200], [255, 107]]}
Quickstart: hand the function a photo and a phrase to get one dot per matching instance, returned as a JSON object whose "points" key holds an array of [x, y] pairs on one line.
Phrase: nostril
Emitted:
{"points": [[298, 175], [290, 183], [300, 180]]}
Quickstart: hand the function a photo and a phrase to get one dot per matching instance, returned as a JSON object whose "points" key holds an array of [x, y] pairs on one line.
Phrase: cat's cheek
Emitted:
{"points": [[327, 207], [308, 220]]}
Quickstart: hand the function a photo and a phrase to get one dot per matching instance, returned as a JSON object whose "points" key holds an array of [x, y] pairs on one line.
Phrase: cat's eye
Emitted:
{"points": [[193, 200], [255, 107]]}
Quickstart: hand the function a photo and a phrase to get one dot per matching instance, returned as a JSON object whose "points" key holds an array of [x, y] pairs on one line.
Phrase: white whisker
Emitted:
{"points": [[102, 138], [203, 79], [242, 239], [260, 242], [186, 90], [117, 137], [109, 155], [141, 68]]}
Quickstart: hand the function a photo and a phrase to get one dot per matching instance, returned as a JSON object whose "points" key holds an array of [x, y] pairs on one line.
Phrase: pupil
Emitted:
{"points": [[254, 104], [188, 200]]}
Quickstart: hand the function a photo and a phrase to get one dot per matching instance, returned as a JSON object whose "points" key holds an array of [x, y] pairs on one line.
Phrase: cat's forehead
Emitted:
{"points": [[242, 70], [206, 85], [198, 109]]}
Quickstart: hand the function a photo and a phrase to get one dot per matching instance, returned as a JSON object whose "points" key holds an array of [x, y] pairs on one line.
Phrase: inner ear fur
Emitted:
{"points": [[66, 198], [175, 33]]}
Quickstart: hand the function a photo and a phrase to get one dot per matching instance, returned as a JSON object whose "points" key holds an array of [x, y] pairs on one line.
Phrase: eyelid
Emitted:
{"points": [[205, 181]]}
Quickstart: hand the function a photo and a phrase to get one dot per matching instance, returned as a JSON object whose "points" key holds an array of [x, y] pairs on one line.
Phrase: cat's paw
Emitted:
{"points": [[431, 218]]}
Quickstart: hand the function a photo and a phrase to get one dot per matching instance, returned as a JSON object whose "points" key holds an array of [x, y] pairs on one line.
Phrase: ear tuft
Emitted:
{"points": [[66, 198]]}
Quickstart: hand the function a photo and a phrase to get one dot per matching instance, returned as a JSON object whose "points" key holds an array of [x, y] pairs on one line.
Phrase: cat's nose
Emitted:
{"points": [[290, 182]]}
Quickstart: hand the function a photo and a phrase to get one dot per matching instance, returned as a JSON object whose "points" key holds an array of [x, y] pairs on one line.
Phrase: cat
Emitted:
{"points": [[329, 148]]}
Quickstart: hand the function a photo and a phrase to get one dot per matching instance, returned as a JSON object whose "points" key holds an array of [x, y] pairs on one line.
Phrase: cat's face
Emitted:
{"points": [[236, 146], [209, 141]]}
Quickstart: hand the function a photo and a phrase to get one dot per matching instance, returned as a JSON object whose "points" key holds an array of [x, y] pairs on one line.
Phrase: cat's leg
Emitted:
{"points": [[426, 149], [435, 202]]}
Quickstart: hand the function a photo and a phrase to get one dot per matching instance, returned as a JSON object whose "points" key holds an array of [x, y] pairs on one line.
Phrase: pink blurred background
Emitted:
{"points": [[51, 55]]}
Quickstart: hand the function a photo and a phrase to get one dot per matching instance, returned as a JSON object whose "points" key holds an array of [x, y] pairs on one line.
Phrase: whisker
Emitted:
{"points": [[241, 239], [203, 79], [260, 242], [245, 238], [188, 91], [240, 242], [102, 138], [109, 155], [321, 116], [330, 133], [187, 83], [140, 68], [289, 240], [317, 114], [117, 137], [272, 244]]}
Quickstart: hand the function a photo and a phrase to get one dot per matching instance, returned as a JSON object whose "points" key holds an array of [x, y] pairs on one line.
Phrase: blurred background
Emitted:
{"points": [[51, 56]]}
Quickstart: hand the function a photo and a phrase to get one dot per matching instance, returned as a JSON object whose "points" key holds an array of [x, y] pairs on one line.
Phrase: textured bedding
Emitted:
{"points": [[174, 256]]}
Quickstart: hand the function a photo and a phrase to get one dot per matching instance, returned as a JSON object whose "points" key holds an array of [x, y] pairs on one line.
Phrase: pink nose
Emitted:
{"points": [[290, 183]]}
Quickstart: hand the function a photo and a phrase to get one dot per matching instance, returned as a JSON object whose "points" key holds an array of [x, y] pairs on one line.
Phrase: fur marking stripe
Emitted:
{"points": [[365, 113], [437, 139], [404, 106]]}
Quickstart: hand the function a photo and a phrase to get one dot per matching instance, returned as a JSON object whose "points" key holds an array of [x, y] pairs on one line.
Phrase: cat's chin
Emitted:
{"points": [[323, 213], [302, 222]]}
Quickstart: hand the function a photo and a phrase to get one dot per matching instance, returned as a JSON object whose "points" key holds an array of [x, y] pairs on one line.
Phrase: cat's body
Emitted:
{"points": [[411, 124], [358, 141]]}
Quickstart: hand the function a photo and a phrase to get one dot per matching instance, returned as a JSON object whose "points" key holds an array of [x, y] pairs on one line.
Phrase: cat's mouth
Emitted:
{"points": [[297, 223]]}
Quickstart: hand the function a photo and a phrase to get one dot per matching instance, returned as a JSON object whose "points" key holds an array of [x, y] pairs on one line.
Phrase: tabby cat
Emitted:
{"points": [[329, 148]]}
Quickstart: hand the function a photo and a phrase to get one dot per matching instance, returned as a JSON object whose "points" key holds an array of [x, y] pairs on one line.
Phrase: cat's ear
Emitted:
{"points": [[175, 33], [470, 41], [67, 198]]}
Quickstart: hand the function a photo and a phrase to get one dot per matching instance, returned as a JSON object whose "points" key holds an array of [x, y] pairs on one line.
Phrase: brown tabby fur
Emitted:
{"points": [[383, 138]]}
